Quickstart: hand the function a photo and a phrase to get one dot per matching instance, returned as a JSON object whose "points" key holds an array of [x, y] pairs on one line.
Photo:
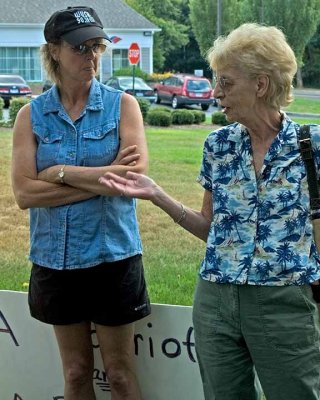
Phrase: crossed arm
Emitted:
{"points": [[45, 190]]}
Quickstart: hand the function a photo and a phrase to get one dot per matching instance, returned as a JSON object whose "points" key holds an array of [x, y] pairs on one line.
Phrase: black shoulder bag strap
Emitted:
{"points": [[312, 178]]}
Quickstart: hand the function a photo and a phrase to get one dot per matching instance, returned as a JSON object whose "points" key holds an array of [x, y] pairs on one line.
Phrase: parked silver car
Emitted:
{"points": [[125, 83]]}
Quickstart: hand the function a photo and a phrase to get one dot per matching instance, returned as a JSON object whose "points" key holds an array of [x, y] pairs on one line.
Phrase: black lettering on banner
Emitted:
{"points": [[16, 396], [174, 354], [149, 325], [189, 344], [139, 336], [136, 346], [101, 380], [8, 329], [58, 397], [93, 334]]}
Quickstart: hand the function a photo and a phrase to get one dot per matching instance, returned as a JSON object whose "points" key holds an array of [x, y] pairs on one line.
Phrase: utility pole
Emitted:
{"points": [[261, 12], [219, 18], [219, 15]]}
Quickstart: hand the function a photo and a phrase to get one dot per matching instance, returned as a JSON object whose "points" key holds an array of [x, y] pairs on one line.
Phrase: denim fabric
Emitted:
{"points": [[90, 232], [261, 232], [274, 329]]}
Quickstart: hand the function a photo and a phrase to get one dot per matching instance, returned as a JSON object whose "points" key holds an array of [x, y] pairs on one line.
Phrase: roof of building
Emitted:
{"points": [[114, 14]]}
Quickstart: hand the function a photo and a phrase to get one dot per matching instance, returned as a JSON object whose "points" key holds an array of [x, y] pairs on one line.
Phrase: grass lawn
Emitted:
{"points": [[301, 104]]}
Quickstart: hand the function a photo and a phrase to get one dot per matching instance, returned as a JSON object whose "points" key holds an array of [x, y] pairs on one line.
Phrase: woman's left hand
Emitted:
{"points": [[127, 156], [132, 185]]}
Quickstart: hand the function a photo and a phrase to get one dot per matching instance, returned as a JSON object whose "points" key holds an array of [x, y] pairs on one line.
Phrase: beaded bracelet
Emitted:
{"points": [[182, 215]]}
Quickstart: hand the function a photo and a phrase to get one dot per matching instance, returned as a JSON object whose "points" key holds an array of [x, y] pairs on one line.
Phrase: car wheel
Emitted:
{"points": [[6, 103], [204, 107], [157, 99], [174, 102]]}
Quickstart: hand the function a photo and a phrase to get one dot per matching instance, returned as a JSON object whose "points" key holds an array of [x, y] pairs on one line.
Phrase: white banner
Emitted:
{"points": [[30, 367]]}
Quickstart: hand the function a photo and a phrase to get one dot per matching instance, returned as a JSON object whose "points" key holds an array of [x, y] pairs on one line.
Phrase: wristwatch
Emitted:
{"points": [[61, 174]]}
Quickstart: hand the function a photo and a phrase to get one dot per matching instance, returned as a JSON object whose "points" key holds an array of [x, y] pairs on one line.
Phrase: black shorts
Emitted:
{"points": [[109, 294]]}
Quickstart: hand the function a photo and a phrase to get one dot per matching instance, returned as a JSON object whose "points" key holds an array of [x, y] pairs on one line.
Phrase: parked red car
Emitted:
{"points": [[183, 89]]}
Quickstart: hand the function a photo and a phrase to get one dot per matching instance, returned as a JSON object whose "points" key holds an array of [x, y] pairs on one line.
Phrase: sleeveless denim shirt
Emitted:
{"points": [[89, 232]]}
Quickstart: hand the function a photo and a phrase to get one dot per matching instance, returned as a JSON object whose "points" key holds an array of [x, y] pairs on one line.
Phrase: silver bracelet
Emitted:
{"points": [[182, 215]]}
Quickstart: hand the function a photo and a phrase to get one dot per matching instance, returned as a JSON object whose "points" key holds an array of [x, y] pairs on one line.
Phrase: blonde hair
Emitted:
{"points": [[258, 50], [50, 64]]}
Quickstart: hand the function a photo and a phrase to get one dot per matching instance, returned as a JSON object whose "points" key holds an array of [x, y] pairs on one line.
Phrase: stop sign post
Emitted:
{"points": [[134, 57]]}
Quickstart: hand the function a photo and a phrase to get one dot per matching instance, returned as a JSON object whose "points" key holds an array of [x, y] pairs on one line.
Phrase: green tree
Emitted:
{"points": [[203, 16], [164, 14], [311, 61], [297, 18], [186, 58]]}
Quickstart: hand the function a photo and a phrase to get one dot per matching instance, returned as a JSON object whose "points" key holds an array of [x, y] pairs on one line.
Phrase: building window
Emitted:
{"points": [[120, 59], [24, 61]]}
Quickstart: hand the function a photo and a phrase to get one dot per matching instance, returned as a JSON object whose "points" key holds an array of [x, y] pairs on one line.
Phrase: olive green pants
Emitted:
{"points": [[274, 330]]}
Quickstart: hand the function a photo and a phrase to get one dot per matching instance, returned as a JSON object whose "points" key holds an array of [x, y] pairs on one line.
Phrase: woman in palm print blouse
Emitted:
{"points": [[254, 306]]}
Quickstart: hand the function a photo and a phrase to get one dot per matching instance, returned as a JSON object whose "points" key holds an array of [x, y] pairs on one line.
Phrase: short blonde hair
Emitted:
{"points": [[258, 50]]}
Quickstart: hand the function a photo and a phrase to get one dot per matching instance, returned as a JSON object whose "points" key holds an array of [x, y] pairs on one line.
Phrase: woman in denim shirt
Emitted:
{"points": [[85, 246], [254, 306]]}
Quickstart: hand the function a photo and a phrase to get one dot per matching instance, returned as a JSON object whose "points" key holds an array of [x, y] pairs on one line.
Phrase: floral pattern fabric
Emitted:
{"points": [[261, 233]]}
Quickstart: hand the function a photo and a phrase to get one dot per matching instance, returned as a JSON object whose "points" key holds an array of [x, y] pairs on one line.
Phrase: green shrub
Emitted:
{"points": [[182, 117], [164, 109], [129, 72], [159, 118], [199, 116], [15, 104], [1, 108], [144, 107], [219, 118]]}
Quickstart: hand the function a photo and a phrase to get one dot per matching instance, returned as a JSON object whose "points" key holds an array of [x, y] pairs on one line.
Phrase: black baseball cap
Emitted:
{"points": [[75, 25]]}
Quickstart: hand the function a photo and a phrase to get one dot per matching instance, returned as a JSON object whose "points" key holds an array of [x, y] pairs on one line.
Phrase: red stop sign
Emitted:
{"points": [[134, 53]]}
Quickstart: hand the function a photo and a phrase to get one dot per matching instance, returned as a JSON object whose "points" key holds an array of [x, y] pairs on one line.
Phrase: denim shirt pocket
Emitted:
{"points": [[49, 145], [100, 145]]}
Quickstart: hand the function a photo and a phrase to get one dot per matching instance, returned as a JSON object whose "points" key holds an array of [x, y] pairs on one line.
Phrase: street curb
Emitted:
{"points": [[302, 115]]}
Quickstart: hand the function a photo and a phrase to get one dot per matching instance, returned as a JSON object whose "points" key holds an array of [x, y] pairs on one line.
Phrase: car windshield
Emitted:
{"points": [[11, 79], [128, 83], [194, 85]]}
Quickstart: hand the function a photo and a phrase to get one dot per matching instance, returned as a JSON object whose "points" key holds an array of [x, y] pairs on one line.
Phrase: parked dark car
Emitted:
{"points": [[125, 83], [184, 89], [47, 85], [13, 86]]}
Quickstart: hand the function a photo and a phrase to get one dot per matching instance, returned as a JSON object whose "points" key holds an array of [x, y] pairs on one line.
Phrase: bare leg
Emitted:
{"points": [[77, 359], [116, 346]]}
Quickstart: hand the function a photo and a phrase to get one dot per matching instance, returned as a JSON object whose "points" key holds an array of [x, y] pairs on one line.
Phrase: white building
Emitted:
{"points": [[21, 35]]}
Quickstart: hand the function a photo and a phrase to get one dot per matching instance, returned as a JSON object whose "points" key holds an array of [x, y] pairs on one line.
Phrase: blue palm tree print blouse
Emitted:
{"points": [[261, 232]]}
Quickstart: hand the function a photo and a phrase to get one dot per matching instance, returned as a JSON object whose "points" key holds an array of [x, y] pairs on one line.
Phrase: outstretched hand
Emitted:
{"points": [[133, 185]]}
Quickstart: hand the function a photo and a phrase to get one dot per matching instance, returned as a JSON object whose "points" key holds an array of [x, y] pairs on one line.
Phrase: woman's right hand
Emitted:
{"points": [[133, 185], [127, 156]]}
